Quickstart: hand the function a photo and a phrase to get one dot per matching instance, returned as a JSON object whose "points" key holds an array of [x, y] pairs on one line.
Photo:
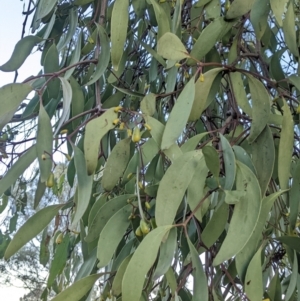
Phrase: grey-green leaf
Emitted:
{"points": [[21, 51], [32, 227]]}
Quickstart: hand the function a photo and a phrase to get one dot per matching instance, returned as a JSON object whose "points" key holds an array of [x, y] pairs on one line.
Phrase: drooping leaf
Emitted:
{"points": [[119, 23], [59, 260], [260, 107], [166, 254], [294, 196], [192, 143], [208, 38], [117, 283], [140, 263], [44, 8], [116, 164], [67, 99], [289, 30], [254, 281], [32, 227], [11, 96], [241, 228], [233, 197], [293, 280], [278, 7], [239, 8], [259, 17], [170, 47], [196, 190], [200, 289], [173, 186], [215, 226], [85, 183], [103, 215], [212, 161], [157, 129], [285, 147], [104, 55], [21, 51], [95, 130], [229, 163], [112, 234], [245, 255], [179, 115], [17, 169], [148, 104], [44, 144], [78, 289], [263, 157]]}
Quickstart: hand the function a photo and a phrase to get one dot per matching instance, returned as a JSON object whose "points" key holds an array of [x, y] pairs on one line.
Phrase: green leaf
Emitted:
{"points": [[78, 289], [104, 55], [77, 101], [59, 260], [259, 17], [157, 129], [215, 226], [95, 130], [17, 169], [245, 215], [245, 255], [260, 107], [239, 8], [75, 57], [179, 115], [119, 24], [293, 281], [202, 91], [44, 248], [148, 104], [192, 143], [200, 287], [103, 215], [212, 161], [208, 38], [44, 144], [140, 263], [263, 157], [116, 164], [44, 8], [116, 288], [242, 156], [291, 241], [85, 183], [87, 266], [32, 227], [170, 47], [173, 186], [112, 234], [67, 99], [278, 7], [289, 30], [173, 152], [233, 197], [294, 196], [285, 147], [229, 163], [254, 281], [21, 51], [166, 254], [11, 96], [195, 190], [162, 18]]}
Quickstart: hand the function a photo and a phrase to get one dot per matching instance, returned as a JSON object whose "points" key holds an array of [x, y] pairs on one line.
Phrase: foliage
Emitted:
{"points": [[178, 121]]}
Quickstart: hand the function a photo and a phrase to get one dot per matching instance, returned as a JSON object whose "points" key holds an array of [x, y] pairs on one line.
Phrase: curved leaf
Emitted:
{"points": [[179, 115], [21, 51], [95, 130], [140, 263], [32, 227], [170, 47], [119, 24]]}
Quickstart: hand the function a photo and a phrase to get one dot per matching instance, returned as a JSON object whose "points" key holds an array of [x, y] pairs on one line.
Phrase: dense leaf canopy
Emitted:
{"points": [[178, 122]]}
